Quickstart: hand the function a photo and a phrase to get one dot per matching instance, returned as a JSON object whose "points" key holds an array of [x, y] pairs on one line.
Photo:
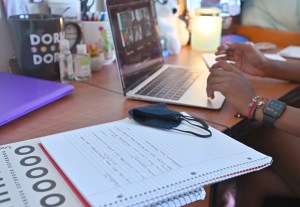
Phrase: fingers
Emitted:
{"points": [[221, 73], [227, 51], [210, 90], [224, 65], [229, 56], [222, 49], [215, 80], [231, 51]]}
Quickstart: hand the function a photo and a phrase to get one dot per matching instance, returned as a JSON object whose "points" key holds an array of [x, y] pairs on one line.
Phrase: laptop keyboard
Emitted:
{"points": [[170, 84]]}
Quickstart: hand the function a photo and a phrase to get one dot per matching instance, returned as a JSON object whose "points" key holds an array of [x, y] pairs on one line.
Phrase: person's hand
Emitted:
{"points": [[244, 56], [230, 81]]}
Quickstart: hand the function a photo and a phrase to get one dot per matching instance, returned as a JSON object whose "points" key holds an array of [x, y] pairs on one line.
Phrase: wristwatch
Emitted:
{"points": [[272, 111]]}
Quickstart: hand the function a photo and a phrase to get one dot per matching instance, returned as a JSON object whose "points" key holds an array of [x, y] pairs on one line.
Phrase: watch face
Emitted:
{"points": [[274, 108]]}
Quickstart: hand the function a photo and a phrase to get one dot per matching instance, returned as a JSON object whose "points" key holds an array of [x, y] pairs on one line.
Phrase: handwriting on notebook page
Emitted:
{"points": [[129, 161]]}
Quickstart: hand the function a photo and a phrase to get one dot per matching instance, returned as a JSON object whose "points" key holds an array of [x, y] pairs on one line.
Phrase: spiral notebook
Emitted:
{"points": [[28, 178], [123, 163]]}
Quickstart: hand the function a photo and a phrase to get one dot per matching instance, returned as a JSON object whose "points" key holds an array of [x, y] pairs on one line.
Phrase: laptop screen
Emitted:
{"points": [[136, 39]]}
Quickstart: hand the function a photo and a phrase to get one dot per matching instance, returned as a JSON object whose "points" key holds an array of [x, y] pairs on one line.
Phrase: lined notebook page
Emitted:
{"points": [[126, 163]]}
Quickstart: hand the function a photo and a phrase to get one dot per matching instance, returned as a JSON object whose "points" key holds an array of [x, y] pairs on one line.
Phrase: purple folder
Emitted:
{"points": [[20, 95]]}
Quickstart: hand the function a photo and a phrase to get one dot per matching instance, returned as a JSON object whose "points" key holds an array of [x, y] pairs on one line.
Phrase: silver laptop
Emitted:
{"points": [[142, 72]]}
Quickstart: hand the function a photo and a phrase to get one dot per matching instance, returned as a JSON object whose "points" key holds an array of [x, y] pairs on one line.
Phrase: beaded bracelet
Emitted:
{"points": [[259, 104], [256, 103], [250, 108]]}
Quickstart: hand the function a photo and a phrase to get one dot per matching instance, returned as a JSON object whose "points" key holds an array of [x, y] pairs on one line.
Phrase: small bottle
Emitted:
{"points": [[82, 63], [65, 62]]}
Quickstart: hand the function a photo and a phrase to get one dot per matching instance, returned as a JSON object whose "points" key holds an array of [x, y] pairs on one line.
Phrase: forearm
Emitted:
{"points": [[288, 121], [285, 70]]}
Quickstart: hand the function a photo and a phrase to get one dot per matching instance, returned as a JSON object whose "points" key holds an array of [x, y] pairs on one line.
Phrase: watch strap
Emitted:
{"points": [[268, 121]]}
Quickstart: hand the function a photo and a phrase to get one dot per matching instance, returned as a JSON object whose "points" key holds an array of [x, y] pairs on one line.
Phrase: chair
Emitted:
{"points": [[258, 34]]}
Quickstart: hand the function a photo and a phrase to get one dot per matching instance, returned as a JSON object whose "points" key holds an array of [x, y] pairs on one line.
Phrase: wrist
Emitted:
{"points": [[257, 103], [253, 107], [272, 111], [267, 67], [259, 114]]}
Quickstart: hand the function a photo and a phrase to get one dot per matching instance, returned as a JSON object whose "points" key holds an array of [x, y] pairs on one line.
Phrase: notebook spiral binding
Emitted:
{"points": [[170, 198], [190, 191], [180, 200]]}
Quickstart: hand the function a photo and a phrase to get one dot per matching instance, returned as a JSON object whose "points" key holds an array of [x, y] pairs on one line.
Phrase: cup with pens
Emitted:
{"points": [[97, 35]]}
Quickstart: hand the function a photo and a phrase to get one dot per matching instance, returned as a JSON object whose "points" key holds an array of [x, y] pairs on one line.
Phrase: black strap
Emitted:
{"points": [[268, 121], [202, 124]]}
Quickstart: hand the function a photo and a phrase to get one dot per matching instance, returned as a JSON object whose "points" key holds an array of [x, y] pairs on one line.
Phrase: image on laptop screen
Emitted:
{"points": [[142, 71], [136, 40]]}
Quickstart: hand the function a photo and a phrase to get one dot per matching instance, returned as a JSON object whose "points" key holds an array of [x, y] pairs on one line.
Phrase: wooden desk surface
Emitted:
{"points": [[87, 105], [100, 100], [267, 87]]}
